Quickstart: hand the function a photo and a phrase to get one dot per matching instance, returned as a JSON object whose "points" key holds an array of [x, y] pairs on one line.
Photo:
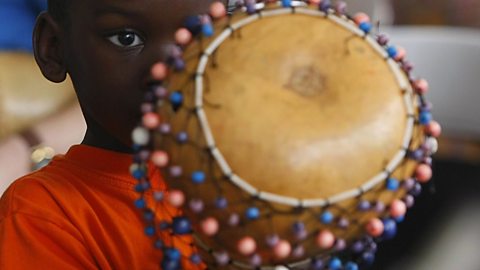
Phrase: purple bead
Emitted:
{"points": [[301, 235], [233, 220], [407, 66], [409, 201], [176, 171], [383, 39], [176, 51], [417, 154], [255, 260], [358, 247], [416, 190], [364, 205], [317, 264], [298, 227], [428, 161], [165, 128], [372, 247], [427, 107], [341, 7], [379, 207], [340, 244], [146, 107], [144, 155], [298, 251], [325, 5], [272, 240], [409, 184], [343, 223], [158, 196], [161, 92], [179, 64], [221, 258], [196, 205], [221, 203]]}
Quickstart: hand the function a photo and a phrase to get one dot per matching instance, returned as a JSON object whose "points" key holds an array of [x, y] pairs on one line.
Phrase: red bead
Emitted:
{"points": [[246, 246], [160, 158], [282, 249], [434, 129], [218, 10], [151, 120], [375, 227], [159, 71], [325, 239], [361, 18], [421, 86], [423, 173], [398, 209], [183, 36], [176, 198], [210, 226]]}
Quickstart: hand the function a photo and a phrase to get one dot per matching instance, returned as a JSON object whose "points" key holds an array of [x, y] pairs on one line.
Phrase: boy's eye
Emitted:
{"points": [[126, 39]]}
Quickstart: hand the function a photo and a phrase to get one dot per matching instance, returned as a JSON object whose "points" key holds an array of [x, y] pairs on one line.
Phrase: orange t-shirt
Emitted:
{"points": [[78, 213]]}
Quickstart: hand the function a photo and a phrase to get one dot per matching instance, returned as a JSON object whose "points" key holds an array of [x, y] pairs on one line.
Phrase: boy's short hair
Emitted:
{"points": [[58, 9]]}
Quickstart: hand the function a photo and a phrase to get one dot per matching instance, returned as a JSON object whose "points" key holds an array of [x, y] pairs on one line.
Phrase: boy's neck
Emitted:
{"points": [[104, 141]]}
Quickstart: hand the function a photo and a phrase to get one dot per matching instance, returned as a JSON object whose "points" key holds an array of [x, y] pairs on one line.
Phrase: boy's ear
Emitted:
{"points": [[48, 48]]}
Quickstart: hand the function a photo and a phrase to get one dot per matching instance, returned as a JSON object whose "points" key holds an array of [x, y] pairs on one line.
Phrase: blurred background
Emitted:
{"points": [[442, 38]]}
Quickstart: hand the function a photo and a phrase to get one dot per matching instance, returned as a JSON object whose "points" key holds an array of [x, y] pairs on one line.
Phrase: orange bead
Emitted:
{"points": [[246, 246], [421, 86], [282, 249], [210, 226], [434, 129], [401, 53]]}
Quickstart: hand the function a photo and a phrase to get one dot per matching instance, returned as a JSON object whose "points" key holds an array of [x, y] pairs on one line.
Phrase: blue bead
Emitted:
{"points": [[298, 227], [335, 264], [181, 226], [207, 30], [164, 225], [365, 27], [138, 174], [368, 258], [149, 231], [195, 259], [198, 177], [425, 118], [148, 215], [179, 64], [172, 254], [326, 217], [251, 8], [158, 244], [400, 219], [193, 24], [252, 213], [221, 203], [392, 51], [358, 247], [176, 98], [390, 228], [286, 3], [170, 264], [393, 184], [140, 203], [351, 266]]}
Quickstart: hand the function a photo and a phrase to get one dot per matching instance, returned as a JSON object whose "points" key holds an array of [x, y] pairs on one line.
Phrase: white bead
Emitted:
{"points": [[432, 144], [140, 136]]}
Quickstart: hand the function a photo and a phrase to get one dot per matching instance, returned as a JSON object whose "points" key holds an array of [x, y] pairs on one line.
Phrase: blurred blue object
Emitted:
{"points": [[17, 19]]}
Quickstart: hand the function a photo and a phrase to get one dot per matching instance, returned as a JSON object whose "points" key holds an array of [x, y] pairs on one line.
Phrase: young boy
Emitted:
{"points": [[78, 212]]}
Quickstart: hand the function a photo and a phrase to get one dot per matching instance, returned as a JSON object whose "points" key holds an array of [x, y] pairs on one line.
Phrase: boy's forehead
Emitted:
{"points": [[139, 5]]}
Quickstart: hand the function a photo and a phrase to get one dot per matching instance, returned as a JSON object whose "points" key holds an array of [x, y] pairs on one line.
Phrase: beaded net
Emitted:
{"points": [[235, 224]]}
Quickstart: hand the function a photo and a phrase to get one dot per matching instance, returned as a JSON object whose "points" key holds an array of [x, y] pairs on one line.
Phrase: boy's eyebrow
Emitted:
{"points": [[116, 11]]}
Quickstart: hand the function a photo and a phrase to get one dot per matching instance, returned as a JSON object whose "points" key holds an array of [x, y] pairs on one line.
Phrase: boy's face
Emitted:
{"points": [[109, 48]]}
